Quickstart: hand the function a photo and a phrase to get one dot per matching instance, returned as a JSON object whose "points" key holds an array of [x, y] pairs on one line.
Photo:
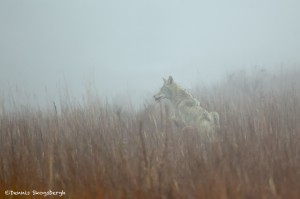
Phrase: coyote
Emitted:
{"points": [[187, 109]]}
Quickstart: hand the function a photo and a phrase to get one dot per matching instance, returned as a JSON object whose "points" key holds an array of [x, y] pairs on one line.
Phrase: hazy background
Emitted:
{"points": [[124, 48]]}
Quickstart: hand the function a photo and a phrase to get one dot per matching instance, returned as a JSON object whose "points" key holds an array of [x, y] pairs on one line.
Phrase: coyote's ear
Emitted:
{"points": [[165, 81], [170, 80]]}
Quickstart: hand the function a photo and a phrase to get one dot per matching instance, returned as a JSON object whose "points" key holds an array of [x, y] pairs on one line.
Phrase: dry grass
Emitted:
{"points": [[99, 151]]}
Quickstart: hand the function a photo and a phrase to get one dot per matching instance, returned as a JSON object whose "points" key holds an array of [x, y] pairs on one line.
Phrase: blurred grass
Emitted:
{"points": [[101, 151]]}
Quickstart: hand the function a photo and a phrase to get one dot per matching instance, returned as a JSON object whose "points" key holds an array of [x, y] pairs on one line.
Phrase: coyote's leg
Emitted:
{"points": [[177, 122]]}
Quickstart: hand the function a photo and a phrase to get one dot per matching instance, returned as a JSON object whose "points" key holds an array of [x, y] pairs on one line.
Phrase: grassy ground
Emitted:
{"points": [[102, 151]]}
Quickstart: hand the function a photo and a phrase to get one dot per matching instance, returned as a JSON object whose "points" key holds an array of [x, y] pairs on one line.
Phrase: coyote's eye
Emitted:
{"points": [[166, 91]]}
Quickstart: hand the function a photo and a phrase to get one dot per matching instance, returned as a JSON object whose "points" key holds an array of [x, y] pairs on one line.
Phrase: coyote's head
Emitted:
{"points": [[168, 90]]}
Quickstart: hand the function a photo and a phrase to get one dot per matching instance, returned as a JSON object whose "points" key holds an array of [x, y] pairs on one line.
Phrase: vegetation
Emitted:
{"points": [[102, 151]]}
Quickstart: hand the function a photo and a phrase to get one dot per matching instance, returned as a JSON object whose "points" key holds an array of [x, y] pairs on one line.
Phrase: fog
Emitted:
{"points": [[123, 48]]}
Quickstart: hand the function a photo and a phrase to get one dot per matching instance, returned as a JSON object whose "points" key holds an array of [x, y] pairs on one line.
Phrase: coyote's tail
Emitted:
{"points": [[216, 120]]}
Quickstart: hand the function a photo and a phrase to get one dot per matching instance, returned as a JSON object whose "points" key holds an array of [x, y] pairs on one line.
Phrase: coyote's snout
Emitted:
{"points": [[158, 96], [187, 108]]}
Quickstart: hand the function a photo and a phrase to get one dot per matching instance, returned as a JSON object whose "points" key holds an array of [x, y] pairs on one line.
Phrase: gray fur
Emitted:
{"points": [[187, 109]]}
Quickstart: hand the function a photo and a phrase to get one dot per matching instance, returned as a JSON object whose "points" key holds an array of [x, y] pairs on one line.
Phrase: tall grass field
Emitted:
{"points": [[97, 150]]}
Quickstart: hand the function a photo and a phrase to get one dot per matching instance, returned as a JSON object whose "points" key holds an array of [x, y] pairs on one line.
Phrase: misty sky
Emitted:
{"points": [[124, 48]]}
